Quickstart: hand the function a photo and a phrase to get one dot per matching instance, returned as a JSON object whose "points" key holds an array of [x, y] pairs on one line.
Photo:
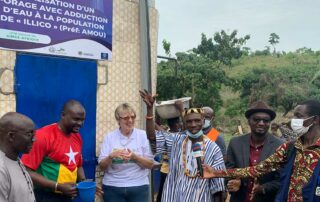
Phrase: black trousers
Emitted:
{"points": [[163, 177], [47, 196]]}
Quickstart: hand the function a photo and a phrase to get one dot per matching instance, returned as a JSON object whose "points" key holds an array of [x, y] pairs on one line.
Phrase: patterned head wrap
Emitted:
{"points": [[192, 110]]}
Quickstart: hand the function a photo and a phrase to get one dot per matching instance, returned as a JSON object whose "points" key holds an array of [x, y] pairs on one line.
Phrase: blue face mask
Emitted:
{"points": [[194, 136], [207, 123]]}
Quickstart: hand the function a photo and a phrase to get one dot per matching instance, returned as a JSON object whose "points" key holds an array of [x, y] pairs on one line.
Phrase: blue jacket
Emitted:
{"points": [[308, 191]]}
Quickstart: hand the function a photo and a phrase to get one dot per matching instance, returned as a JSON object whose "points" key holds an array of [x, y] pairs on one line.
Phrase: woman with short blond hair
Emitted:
{"points": [[125, 158]]}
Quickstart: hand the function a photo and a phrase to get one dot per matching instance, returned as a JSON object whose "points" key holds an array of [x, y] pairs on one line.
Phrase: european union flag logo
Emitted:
{"points": [[104, 56]]}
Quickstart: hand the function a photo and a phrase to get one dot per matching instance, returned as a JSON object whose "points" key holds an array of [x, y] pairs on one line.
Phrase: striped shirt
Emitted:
{"points": [[164, 142], [178, 186]]}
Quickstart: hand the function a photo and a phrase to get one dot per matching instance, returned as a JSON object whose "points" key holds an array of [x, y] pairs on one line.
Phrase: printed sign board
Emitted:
{"points": [[72, 28]]}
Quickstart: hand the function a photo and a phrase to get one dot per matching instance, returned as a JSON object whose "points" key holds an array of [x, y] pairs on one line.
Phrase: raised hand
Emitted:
{"points": [[179, 105], [148, 98]]}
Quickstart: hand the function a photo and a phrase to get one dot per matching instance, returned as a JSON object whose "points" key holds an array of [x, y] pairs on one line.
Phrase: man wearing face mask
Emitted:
{"points": [[299, 160], [212, 133], [184, 182]]}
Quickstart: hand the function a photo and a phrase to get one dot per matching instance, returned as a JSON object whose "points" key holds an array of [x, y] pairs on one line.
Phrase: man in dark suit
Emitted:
{"points": [[250, 149]]}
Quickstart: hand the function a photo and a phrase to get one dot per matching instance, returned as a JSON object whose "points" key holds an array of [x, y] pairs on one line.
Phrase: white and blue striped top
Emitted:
{"points": [[164, 142], [179, 187]]}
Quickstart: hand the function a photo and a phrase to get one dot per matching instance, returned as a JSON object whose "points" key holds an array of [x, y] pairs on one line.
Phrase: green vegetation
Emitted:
{"points": [[273, 40], [221, 72]]}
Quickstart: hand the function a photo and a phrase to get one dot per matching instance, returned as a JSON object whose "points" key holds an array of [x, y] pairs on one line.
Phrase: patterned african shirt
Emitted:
{"points": [[305, 162]]}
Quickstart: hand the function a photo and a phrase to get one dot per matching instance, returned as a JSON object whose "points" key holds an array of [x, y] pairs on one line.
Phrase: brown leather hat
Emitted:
{"points": [[260, 106]]}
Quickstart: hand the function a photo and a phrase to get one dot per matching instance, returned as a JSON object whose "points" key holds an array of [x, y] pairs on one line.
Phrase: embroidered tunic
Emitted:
{"points": [[304, 163], [178, 186]]}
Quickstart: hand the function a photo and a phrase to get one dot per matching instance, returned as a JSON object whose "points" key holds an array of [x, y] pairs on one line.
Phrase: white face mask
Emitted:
{"points": [[297, 126], [207, 123], [195, 136]]}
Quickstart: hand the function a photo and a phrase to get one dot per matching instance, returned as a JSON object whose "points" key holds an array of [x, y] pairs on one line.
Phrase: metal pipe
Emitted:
{"points": [[174, 59], [145, 60], [145, 52]]}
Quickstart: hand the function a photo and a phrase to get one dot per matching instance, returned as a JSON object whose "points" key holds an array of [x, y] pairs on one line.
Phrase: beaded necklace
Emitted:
{"points": [[27, 177], [184, 154]]}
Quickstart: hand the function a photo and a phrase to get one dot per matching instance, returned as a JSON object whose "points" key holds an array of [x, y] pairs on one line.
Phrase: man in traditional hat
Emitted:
{"points": [[250, 149], [175, 126], [183, 182], [299, 160], [16, 136]]}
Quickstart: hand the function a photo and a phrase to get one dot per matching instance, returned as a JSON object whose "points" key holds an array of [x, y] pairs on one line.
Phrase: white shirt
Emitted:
{"points": [[120, 173], [15, 182]]}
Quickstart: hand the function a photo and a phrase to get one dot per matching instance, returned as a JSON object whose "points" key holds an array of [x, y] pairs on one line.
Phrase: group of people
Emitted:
{"points": [[51, 162], [184, 182], [296, 161], [260, 166], [196, 166]]}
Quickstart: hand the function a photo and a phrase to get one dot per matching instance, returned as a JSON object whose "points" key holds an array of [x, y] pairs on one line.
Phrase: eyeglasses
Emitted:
{"points": [[127, 118], [257, 120]]}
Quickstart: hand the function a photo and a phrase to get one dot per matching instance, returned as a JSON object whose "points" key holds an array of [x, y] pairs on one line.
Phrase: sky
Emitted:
{"points": [[297, 22]]}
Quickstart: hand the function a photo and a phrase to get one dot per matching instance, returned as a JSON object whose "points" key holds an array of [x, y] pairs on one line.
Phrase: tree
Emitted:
{"points": [[273, 40], [246, 51], [291, 96], [166, 46], [281, 87], [198, 77], [266, 51], [222, 48], [304, 50]]}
